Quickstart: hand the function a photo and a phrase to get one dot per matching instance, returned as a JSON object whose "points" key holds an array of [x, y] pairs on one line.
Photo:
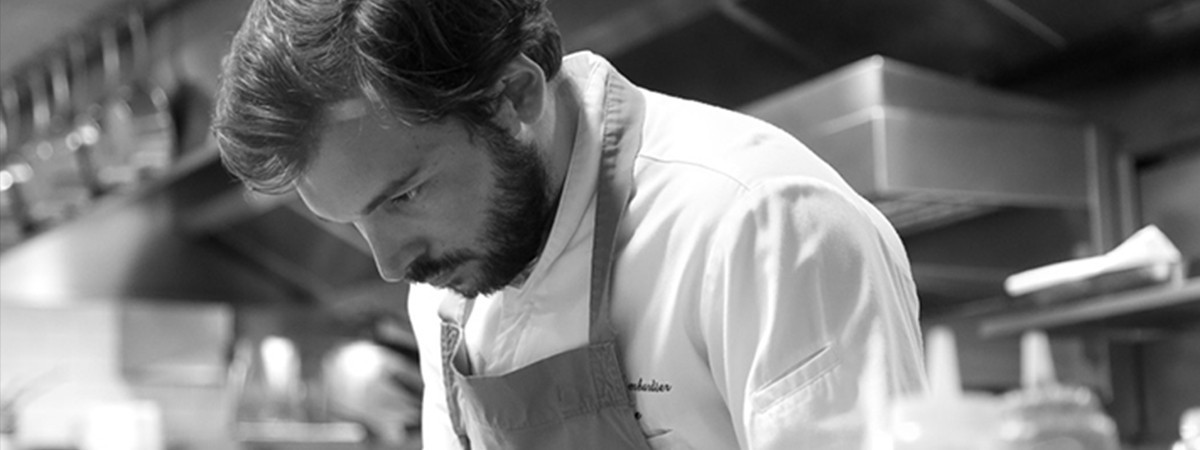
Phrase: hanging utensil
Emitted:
{"points": [[3, 133], [62, 115], [151, 106], [39, 110], [15, 222], [10, 112], [138, 119], [8, 115], [56, 188], [108, 155]]}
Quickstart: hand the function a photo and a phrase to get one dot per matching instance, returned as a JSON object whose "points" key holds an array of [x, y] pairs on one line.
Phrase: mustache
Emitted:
{"points": [[427, 267]]}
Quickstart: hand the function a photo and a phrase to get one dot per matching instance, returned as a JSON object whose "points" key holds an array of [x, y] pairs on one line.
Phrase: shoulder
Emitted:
{"points": [[705, 171], [695, 137], [795, 211]]}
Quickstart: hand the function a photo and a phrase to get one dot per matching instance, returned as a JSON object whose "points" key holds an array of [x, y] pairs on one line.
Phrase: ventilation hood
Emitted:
{"points": [[980, 183], [929, 149]]}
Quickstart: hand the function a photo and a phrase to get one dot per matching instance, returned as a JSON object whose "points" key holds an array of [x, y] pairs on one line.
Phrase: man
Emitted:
{"points": [[601, 266]]}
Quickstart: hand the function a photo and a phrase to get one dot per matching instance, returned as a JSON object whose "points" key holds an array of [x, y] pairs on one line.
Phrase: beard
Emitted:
{"points": [[516, 225]]}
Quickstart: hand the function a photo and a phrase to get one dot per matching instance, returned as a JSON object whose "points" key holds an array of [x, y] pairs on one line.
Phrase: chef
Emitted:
{"points": [[597, 265]]}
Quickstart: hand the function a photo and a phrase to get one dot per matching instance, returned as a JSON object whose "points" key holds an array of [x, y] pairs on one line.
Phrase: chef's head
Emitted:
{"points": [[410, 119]]}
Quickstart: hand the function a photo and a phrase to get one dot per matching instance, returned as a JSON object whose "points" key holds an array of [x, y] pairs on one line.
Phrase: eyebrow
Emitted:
{"points": [[387, 192]]}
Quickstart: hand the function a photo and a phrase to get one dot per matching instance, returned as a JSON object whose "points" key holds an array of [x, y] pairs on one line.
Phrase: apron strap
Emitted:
{"points": [[452, 331], [622, 135]]}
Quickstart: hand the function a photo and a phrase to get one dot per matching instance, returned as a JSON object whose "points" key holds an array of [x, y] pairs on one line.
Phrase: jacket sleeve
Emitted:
{"points": [[797, 276], [436, 431]]}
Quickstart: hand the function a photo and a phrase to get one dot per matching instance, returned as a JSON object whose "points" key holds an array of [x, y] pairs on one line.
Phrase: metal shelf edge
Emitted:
{"points": [[1093, 310]]}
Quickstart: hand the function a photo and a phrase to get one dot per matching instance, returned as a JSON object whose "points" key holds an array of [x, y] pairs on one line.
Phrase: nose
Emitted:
{"points": [[392, 248]]}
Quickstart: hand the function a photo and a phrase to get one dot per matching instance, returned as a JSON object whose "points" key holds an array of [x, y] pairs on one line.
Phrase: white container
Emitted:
{"points": [[131, 425], [1046, 415], [946, 418], [1189, 430]]}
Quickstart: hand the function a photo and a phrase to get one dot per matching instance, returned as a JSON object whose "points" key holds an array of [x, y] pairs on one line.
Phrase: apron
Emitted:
{"points": [[576, 399]]}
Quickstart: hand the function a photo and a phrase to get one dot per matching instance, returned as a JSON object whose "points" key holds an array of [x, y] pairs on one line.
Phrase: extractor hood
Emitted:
{"points": [[980, 183], [929, 149]]}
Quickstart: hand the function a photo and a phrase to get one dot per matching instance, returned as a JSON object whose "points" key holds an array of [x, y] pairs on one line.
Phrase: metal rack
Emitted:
{"points": [[1162, 307]]}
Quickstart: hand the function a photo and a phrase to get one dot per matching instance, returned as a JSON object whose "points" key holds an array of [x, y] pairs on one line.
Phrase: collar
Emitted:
{"points": [[588, 74]]}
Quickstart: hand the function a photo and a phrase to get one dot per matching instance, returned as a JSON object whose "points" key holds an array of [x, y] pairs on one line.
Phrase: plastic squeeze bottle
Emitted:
{"points": [[1047, 415], [1189, 430], [945, 418]]}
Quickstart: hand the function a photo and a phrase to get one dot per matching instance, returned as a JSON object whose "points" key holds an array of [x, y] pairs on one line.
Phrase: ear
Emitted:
{"points": [[522, 87]]}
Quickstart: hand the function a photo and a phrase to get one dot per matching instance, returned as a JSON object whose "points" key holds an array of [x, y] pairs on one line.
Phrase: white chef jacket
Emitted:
{"points": [[747, 281]]}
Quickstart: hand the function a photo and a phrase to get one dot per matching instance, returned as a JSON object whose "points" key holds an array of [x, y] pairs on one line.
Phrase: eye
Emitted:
{"points": [[405, 197]]}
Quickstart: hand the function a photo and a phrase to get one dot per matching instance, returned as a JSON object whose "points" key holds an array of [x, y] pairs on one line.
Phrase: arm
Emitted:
{"points": [[797, 275]]}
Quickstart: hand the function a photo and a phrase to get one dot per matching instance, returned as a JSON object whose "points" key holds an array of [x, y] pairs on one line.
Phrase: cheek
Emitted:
{"points": [[463, 206]]}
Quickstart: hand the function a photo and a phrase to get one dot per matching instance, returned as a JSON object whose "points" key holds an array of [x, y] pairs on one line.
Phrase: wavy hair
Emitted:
{"points": [[421, 60]]}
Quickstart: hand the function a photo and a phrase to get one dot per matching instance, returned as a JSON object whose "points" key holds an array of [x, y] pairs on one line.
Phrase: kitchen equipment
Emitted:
{"points": [[78, 128], [369, 384], [945, 417], [127, 425], [15, 396], [1189, 430], [14, 212], [151, 127], [137, 129], [929, 149], [1045, 414], [1147, 257], [56, 189], [265, 377], [275, 405], [979, 183], [107, 156]]}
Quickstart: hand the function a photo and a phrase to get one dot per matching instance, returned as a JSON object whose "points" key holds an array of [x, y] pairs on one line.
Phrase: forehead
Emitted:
{"points": [[359, 150]]}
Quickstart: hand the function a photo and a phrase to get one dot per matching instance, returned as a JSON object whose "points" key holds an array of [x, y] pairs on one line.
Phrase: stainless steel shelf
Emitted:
{"points": [[1169, 306], [189, 164]]}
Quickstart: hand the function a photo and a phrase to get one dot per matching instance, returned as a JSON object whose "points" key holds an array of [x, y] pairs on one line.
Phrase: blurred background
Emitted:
{"points": [[141, 284]]}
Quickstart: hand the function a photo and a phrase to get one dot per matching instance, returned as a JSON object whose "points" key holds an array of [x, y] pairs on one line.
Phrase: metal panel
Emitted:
{"points": [[128, 252], [894, 130], [980, 183], [852, 152], [175, 343], [881, 81], [968, 159]]}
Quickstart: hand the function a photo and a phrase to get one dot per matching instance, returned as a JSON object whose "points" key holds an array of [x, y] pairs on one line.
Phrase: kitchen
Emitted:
{"points": [[160, 267]]}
